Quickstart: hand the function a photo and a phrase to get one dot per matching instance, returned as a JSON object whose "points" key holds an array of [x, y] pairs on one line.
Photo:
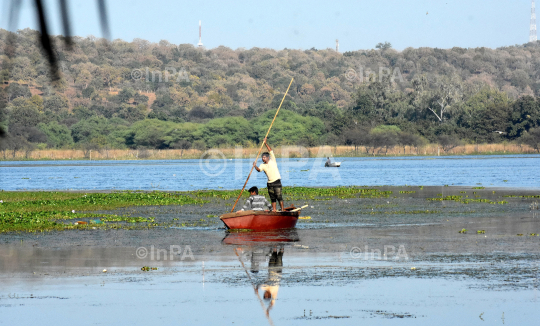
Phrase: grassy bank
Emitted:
{"points": [[285, 151]]}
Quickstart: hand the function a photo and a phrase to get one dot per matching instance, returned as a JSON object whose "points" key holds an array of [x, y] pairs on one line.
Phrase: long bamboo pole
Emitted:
{"points": [[260, 149]]}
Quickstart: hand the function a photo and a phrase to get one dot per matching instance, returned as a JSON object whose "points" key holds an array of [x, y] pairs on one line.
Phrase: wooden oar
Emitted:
{"points": [[299, 208], [262, 144]]}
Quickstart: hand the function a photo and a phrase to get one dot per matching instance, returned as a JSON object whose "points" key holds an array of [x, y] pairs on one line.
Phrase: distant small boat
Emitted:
{"points": [[260, 220], [332, 165]]}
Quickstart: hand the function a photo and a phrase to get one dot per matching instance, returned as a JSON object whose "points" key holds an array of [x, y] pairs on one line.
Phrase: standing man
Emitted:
{"points": [[269, 167]]}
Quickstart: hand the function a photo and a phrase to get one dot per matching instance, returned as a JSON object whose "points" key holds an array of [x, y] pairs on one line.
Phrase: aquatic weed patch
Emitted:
{"points": [[462, 200], [15, 196], [100, 201], [31, 211], [299, 193]]}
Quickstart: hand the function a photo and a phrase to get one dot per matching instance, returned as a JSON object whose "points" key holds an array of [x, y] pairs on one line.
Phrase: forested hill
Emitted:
{"points": [[161, 95]]}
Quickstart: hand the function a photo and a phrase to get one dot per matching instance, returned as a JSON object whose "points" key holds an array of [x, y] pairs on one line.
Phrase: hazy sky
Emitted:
{"points": [[301, 24]]}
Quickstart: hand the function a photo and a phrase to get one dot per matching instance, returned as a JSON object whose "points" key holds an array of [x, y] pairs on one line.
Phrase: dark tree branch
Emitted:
{"points": [[102, 7], [66, 24], [46, 40]]}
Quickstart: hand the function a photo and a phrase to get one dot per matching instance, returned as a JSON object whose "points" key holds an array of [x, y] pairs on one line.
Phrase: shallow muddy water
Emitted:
{"points": [[229, 288]]}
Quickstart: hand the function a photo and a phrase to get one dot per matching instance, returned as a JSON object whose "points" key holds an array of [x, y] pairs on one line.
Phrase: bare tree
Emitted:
{"points": [[446, 92]]}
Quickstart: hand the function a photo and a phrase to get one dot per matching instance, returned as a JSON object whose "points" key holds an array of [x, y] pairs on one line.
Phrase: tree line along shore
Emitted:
{"points": [[161, 96]]}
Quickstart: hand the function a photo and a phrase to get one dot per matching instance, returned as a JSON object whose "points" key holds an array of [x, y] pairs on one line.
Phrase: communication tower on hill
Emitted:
{"points": [[533, 36], [200, 36], [337, 45]]}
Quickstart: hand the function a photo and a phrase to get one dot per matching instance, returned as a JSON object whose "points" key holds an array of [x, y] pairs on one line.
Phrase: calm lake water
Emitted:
{"points": [[490, 171]]}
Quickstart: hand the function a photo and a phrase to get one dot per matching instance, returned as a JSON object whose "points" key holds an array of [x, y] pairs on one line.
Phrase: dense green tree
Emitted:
{"points": [[150, 133], [58, 136], [131, 113], [125, 95], [363, 108], [83, 113], [231, 131], [88, 92], [86, 130], [55, 103], [23, 114], [15, 90], [525, 115], [139, 98], [486, 115], [288, 128]]}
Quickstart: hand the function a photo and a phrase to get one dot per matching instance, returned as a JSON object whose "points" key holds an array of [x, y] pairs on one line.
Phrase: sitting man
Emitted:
{"points": [[270, 167], [255, 202], [328, 162]]}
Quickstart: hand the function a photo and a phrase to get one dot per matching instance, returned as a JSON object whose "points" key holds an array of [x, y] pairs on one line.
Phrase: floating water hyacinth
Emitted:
{"points": [[147, 269]]}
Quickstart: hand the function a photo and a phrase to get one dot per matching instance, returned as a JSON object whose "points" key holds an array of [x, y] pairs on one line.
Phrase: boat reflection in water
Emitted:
{"points": [[262, 249], [260, 238]]}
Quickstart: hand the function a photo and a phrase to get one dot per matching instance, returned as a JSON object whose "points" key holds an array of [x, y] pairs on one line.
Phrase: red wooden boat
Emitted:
{"points": [[260, 220]]}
